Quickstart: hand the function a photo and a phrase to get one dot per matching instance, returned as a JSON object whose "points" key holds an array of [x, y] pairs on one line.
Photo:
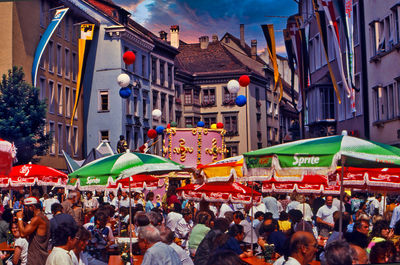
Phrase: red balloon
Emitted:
{"points": [[129, 57], [152, 133], [220, 125], [244, 80], [169, 125]]}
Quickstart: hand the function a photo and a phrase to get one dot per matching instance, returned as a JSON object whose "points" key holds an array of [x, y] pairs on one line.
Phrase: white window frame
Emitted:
{"points": [[59, 60], [60, 139], [67, 63], [100, 93], [51, 56], [76, 141], [356, 25], [60, 99], [52, 131], [52, 92], [359, 95], [74, 63], [68, 139], [67, 101]]}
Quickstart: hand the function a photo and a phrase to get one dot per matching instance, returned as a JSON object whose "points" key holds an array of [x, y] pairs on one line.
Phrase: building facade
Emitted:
{"points": [[382, 28], [323, 114], [23, 24]]}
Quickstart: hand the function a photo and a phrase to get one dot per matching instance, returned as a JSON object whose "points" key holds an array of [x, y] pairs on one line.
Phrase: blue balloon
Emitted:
{"points": [[160, 129], [125, 92], [241, 100], [200, 124]]}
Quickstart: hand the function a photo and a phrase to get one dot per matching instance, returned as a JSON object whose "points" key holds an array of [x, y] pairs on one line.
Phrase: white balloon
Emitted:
{"points": [[156, 113], [233, 86], [123, 80]]}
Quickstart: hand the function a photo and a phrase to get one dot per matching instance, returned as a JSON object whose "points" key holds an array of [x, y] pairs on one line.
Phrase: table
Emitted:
{"points": [[5, 247], [116, 260], [257, 260]]}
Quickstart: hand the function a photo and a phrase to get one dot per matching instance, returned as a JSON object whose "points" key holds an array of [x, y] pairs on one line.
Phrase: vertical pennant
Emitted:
{"points": [[271, 47], [331, 15], [86, 35], [291, 61], [320, 17], [58, 16]]}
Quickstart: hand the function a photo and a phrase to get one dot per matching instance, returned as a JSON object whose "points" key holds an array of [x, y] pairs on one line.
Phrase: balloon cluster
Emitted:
{"points": [[234, 86], [124, 80]]}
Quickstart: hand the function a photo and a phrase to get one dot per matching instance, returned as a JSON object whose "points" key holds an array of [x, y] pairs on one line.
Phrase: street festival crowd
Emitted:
{"points": [[75, 227]]}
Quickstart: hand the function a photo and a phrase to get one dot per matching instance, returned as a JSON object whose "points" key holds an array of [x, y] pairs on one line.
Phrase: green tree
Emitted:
{"points": [[22, 117]]}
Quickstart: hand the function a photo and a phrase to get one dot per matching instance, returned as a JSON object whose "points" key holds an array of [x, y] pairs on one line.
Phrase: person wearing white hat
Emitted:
{"points": [[36, 230]]}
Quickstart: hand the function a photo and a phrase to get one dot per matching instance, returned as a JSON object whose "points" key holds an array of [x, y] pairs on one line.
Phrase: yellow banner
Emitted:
{"points": [[87, 31], [81, 55]]}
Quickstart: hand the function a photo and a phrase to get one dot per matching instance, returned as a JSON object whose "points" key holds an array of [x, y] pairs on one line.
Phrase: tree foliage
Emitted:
{"points": [[22, 117]]}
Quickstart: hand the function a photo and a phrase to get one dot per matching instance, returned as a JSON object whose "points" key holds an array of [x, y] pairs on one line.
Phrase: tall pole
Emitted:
{"points": [[247, 119]]}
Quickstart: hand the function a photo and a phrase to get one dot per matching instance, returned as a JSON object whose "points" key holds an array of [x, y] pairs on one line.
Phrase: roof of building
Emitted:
{"points": [[246, 49], [214, 59]]}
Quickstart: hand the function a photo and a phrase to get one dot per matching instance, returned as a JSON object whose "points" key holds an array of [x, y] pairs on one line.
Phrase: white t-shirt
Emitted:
{"points": [[290, 261], [59, 256], [326, 213], [224, 208], [82, 259], [48, 203], [23, 244], [172, 220], [305, 209]]}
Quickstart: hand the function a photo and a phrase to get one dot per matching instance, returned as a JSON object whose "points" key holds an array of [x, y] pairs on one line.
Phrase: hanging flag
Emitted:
{"points": [[58, 16], [320, 18], [271, 47], [331, 15], [291, 62], [345, 9], [86, 35], [295, 37]]}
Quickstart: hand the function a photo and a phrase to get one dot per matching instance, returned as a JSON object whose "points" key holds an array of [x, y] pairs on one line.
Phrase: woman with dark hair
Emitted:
{"points": [[382, 252], [171, 196], [149, 201], [236, 235], [380, 232]]}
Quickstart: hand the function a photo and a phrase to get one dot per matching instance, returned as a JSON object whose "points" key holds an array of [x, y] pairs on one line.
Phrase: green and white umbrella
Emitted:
{"points": [[317, 156], [112, 168]]}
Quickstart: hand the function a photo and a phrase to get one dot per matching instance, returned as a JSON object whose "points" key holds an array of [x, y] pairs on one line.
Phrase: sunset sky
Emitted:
{"points": [[206, 17]]}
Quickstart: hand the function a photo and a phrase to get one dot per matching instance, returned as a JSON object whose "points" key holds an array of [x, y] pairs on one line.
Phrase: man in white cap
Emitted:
{"points": [[36, 231]]}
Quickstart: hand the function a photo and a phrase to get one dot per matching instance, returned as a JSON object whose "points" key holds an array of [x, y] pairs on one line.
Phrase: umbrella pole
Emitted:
{"points": [[343, 160], [252, 217], [130, 223]]}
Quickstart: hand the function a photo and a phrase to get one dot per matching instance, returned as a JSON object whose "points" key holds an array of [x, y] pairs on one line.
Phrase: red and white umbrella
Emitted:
{"points": [[7, 156], [219, 192], [301, 188], [137, 182], [31, 174]]}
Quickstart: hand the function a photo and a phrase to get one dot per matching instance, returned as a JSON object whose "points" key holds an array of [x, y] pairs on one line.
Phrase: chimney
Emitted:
{"points": [[214, 38], [174, 36], [253, 49], [242, 42], [203, 42], [163, 35]]}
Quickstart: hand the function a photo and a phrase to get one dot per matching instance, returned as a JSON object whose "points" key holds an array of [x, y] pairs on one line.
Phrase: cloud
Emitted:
{"points": [[206, 17]]}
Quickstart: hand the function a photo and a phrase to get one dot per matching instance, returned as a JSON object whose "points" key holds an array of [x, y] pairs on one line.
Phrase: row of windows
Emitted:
{"points": [[60, 98], [230, 122], [192, 96], [66, 140], [61, 60], [163, 77], [385, 33], [386, 102], [133, 67]]}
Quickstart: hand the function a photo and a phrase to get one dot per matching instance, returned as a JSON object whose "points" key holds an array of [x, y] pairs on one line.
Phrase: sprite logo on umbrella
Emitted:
{"points": [[310, 160]]}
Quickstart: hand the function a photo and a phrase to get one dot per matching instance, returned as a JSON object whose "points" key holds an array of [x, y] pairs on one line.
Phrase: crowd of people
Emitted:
{"points": [[81, 228]]}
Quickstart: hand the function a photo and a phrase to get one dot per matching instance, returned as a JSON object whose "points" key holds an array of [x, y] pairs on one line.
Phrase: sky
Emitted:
{"points": [[198, 18]]}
